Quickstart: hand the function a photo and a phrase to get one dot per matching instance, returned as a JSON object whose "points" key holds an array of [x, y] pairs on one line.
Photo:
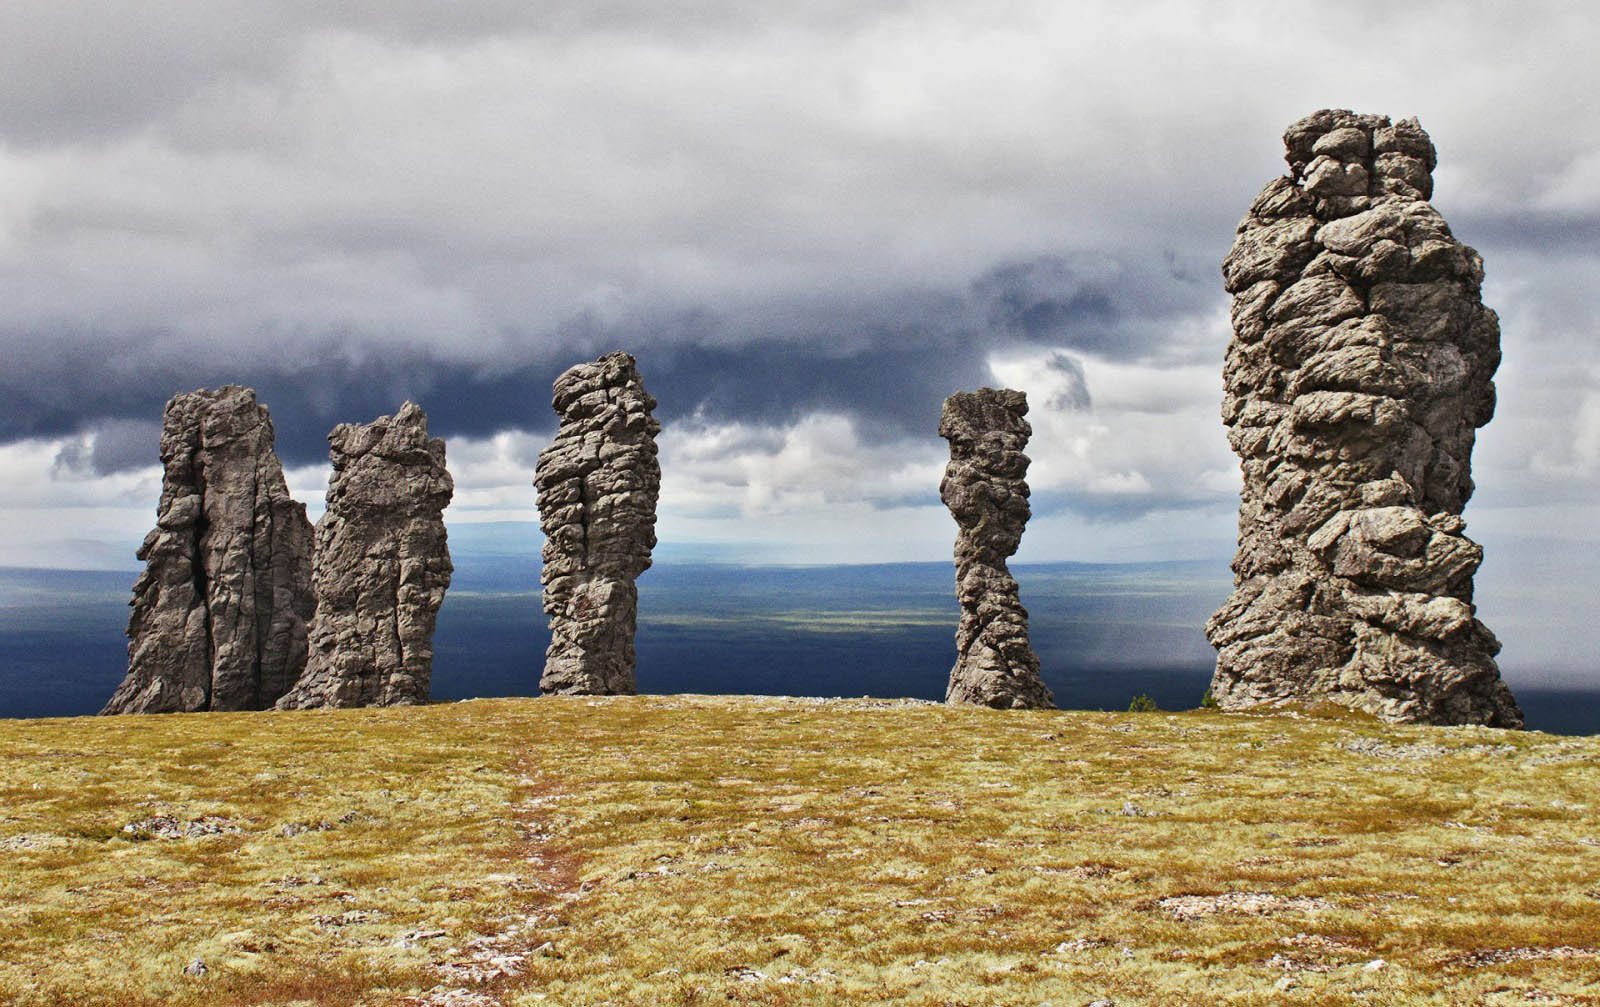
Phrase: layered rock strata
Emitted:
{"points": [[1359, 371], [220, 612], [382, 566], [597, 485], [986, 489]]}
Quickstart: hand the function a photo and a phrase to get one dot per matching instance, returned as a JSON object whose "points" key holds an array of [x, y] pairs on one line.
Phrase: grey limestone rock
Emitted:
{"points": [[986, 489], [597, 483], [1359, 371], [220, 612], [382, 566]]}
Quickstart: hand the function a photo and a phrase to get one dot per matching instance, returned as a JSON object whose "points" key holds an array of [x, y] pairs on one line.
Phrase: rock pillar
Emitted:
{"points": [[220, 612], [1360, 368], [597, 485], [382, 566], [986, 489]]}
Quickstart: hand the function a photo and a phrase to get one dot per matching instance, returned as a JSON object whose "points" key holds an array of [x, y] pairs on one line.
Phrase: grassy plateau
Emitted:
{"points": [[697, 850]]}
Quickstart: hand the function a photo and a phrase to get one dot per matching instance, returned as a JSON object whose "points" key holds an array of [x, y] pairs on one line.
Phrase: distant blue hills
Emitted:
{"points": [[1104, 632]]}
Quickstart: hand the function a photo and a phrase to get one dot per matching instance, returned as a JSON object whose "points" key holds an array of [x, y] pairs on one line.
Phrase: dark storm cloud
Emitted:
{"points": [[1045, 298], [1074, 394], [115, 446], [889, 359]]}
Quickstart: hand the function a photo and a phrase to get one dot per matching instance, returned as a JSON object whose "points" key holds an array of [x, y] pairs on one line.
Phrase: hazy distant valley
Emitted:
{"points": [[1104, 632]]}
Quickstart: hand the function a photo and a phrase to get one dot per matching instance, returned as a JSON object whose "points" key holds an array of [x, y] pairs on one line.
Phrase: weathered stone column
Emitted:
{"points": [[1359, 371], [382, 566], [986, 489], [220, 612], [597, 485]]}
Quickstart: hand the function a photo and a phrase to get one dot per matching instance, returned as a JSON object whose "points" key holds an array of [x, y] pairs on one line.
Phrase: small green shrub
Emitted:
{"points": [[1142, 704], [1208, 701]]}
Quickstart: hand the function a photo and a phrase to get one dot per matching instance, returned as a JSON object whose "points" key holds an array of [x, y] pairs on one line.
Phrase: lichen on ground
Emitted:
{"points": [[695, 849]]}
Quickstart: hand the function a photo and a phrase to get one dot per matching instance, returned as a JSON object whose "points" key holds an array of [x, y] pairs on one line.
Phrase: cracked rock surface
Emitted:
{"points": [[382, 566], [1360, 368], [597, 483], [986, 489], [220, 612]]}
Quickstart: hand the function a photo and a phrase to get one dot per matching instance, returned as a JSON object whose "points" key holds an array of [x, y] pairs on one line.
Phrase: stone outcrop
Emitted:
{"points": [[220, 612], [986, 489], [1359, 371], [597, 485], [382, 566]]}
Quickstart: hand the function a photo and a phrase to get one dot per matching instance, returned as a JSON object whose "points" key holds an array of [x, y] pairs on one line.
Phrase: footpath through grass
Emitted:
{"points": [[693, 849]]}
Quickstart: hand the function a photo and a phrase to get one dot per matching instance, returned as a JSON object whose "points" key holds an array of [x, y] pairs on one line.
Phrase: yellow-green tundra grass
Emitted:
{"points": [[664, 850]]}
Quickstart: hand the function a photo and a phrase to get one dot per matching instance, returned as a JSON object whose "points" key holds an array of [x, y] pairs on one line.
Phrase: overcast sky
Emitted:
{"points": [[809, 221]]}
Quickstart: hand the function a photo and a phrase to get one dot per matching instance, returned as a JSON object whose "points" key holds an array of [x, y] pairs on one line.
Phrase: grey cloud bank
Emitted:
{"points": [[810, 224]]}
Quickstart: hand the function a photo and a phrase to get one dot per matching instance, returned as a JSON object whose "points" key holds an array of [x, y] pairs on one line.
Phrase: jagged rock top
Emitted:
{"points": [[220, 612], [390, 464], [985, 484], [1361, 366]]}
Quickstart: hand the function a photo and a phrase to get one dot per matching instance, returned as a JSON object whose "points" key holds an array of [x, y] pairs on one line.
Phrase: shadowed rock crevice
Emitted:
{"points": [[1360, 368], [220, 612], [986, 489], [382, 566], [597, 484]]}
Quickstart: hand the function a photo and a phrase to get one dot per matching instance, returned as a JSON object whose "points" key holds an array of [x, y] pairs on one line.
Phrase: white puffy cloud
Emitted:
{"points": [[1147, 436]]}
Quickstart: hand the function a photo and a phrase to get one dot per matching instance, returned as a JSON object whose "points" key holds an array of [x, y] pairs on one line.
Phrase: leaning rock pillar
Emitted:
{"points": [[986, 489], [382, 566], [1359, 371], [597, 483]]}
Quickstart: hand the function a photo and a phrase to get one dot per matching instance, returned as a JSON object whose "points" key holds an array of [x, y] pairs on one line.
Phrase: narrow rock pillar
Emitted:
{"points": [[986, 489], [597, 485]]}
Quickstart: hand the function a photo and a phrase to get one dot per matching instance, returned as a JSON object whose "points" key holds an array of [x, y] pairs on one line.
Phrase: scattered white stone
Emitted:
{"points": [[293, 829], [1502, 956], [412, 938], [168, 827], [1382, 750], [1190, 907]]}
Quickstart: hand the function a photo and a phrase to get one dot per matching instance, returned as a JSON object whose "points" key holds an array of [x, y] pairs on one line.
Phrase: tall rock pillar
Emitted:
{"points": [[1359, 371], [597, 484], [220, 612], [986, 489], [382, 566]]}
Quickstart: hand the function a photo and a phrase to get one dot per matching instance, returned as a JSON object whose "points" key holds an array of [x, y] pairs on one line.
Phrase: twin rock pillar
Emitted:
{"points": [[221, 612], [986, 489], [597, 484], [1359, 371], [382, 566]]}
